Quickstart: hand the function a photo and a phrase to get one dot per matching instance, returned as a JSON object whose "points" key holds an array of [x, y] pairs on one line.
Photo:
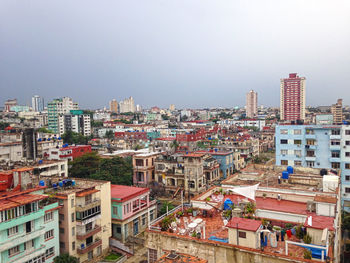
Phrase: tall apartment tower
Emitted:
{"points": [[252, 104], [292, 104], [37, 103], [337, 111], [127, 105], [113, 106], [57, 107]]}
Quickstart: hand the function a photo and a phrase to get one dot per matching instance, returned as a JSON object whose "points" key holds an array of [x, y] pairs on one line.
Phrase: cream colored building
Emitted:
{"points": [[251, 104], [84, 217], [113, 106], [337, 111], [247, 231]]}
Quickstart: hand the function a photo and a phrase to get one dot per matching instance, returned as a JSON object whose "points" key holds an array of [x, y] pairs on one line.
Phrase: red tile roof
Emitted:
{"points": [[321, 222], [282, 205], [244, 224], [124, 192]]}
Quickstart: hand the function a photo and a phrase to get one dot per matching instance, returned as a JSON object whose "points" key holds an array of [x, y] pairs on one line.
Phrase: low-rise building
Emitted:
{"points": [[68, 152], [132, 211]]}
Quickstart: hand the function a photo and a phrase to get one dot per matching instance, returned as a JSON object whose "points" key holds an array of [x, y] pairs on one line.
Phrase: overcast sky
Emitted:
{"points": [[193, 53]]}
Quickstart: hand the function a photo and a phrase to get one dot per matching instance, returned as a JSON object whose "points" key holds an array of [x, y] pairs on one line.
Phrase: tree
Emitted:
{"points": [[65, 258], [85, 165], [44, 130], [174, 145], [109, 135], [163, 210], [3, 125], [71, 137]]}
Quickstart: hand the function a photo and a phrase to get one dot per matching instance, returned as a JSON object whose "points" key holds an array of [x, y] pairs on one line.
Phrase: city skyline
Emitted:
{"points": [[219, 48]]}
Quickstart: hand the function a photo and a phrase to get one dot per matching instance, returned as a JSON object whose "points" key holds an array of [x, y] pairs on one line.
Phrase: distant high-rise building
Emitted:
{"points": [[138, 108], [127, 105], [113, 106], [57, 107], [172, 107], [337, 111], [252, 104], [37, 103], [292, 98], [10, 103], [75, 121]]}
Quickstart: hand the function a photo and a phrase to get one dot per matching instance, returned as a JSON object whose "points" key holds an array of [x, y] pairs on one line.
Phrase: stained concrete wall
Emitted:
{"points": [[214, 252]]}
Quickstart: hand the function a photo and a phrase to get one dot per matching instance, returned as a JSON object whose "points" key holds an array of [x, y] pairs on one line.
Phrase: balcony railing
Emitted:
{"points": [[87, 205], [82, 236], [91, 246]]}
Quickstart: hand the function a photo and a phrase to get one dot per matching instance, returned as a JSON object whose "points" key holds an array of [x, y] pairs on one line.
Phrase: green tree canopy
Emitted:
{"points": [[71, 137], [65, 258], [117, 170]]}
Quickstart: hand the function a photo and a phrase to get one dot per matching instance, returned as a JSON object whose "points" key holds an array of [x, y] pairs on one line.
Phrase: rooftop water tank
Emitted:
{"points": [[40, 161], [73, 182], [54, 186], [228, 204], [42, 183], [285, 175], [290, 169], [60, 184]]}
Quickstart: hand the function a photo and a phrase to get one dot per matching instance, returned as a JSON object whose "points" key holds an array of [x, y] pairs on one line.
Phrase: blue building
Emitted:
{"points": [[225, 159], [316, 146]]}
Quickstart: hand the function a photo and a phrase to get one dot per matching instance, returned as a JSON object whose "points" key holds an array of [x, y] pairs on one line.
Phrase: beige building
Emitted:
{"points": [[252, 104], [84, 216], [337, 111], [247, 231], [172, 107], [113, 106], [143, 166]]}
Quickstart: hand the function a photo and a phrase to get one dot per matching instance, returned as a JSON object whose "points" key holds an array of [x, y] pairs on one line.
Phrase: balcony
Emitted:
{"points": [[334, 147], [82, 236], [310, 136], [310, 158], [87, 205], [83, 222], [91, 246], [335, 137]]}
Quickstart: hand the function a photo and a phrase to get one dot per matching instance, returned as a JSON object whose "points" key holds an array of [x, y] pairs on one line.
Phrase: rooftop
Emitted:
{"points": [[320, 222], [244, 224], [124, 192], [180, 258]]}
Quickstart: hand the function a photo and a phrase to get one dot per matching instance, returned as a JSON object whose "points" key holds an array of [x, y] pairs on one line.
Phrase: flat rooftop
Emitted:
{"points": [[124, 192]]}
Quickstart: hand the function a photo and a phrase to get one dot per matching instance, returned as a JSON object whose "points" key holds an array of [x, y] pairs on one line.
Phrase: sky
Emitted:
{"points": [[191, 53]]}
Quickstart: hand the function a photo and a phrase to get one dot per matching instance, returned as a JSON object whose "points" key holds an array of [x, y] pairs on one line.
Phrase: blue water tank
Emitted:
{"points": [[39, 140], [73, 182], [49, 139], [216, 150], [40, 161], [54, 186], [60, 184], [228, 204], [59, 138], [290, 169], [42, 183], [285, 175]]}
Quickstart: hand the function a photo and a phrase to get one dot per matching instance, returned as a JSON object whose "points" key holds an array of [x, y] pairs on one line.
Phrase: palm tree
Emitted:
{"points": [[65, 258]]}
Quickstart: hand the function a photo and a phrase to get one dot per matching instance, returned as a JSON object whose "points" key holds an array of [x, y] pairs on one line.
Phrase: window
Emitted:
{"points": [[310, 153], [72, 215], [152, 255], [62, 245], [88, 227], [336, 132], [12, 231], [298, 142], [347, 154], [284, 152], [61, 217], [73, 245], [242, 234], [115, 210], [72, 203], [310, 142], [310, 163], [335, 154], [284, 162], [284, 141], [73, 231], [335, 142], [13, 251], [308, 131], [284, 131], [297, 153], [151, 215], [297, 163], [143, 219], [48, 217], [61, 230], [335, 165], [347, 177], [347, 166], [99, 250], [297, 132], [88, 199], [28, 245], [347, 190], [347, 132], [347, 142], [49, 234]]}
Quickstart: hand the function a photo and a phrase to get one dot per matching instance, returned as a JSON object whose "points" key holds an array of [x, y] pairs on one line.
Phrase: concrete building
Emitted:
{"points": [[251, 104], [260, 124], [143, 168], [337, 112], [84, 216], [225, 159], [317, 146], [292, 101], [58, 107], [68, 152], [75, 121], [113, 106], [37, 103], [132, 211], [127, 105], [9, 103]]}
